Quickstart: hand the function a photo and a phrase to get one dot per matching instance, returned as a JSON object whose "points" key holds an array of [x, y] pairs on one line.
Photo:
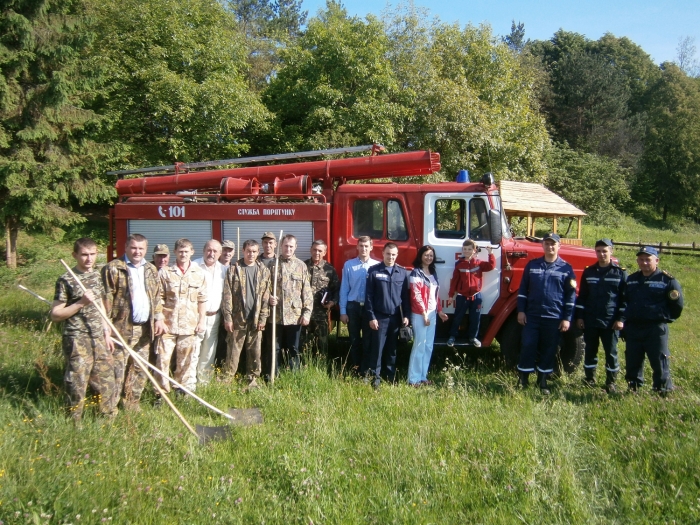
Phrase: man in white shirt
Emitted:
{"points": [[132, 292], [205, 347]]}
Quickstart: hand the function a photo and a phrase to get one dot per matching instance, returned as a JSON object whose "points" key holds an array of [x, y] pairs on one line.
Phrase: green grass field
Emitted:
{"points": [[471, 449]]}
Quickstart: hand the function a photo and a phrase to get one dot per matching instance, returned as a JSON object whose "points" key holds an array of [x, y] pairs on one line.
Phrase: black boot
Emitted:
{"points": [[589, 380], [610, 382], [523, 380], [542, 383]]}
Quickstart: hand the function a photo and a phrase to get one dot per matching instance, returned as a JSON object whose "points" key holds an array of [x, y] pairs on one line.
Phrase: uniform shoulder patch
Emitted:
{"points": [[667, 274], [674, 295], [572, 283]]}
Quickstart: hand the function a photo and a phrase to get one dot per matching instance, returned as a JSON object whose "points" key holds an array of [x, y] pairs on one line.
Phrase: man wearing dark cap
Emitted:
{"points": [[654, 299], [546, 300], [228, 251], [161, 256], [599, 309]]}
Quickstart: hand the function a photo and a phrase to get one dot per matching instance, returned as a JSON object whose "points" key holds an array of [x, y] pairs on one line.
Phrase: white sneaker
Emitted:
{"points": [[476, 343]]}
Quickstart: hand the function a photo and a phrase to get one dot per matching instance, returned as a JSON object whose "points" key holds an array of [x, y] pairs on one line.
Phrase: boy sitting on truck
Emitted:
{"points": [[465, 290]]}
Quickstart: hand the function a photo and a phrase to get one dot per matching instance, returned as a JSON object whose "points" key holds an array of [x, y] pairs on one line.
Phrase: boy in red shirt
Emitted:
{"points": [[465, 288]]}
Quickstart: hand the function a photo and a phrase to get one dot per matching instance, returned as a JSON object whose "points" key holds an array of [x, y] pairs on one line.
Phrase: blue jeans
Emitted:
{"points": [[422, 351], [473, 304]]}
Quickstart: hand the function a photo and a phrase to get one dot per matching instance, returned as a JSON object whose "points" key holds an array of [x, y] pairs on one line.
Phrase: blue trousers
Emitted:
{"points": [[607, 336], [422, 351], [538, 345], [359, 331], [650, 339], [463, 304], [382, 348]]}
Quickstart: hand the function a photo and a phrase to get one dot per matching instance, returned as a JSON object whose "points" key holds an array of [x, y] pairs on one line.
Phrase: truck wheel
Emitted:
{"points": [[509, 339], [570, 352]]}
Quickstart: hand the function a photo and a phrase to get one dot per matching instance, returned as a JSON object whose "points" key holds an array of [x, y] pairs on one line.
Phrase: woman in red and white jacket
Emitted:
{"points": [[425, 307]]}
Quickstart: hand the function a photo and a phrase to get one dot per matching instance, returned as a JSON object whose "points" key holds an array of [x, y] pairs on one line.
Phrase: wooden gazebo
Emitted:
{"points": [[528, 200]]}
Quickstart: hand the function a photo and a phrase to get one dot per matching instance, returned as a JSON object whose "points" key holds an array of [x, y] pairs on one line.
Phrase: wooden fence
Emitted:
{"points": [[692, 249]]}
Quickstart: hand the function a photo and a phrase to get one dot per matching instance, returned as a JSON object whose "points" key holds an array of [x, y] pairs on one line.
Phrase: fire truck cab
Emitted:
{"points": [[323, 200]]}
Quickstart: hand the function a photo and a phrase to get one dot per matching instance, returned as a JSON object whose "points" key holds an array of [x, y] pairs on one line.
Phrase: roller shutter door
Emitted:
{"points": [[302, 230], [167, 232]]}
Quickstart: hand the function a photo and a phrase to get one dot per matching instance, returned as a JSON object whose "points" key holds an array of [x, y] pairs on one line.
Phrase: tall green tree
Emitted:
{"points": [[177, 88], [267, 26], [470, 98], [336, 87], [671, 160], [48, 159]]}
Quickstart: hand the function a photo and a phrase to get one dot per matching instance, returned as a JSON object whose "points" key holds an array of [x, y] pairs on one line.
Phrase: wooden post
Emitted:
{"points": [[578, 234], [529, 225], [554, 224], [273, 361]]}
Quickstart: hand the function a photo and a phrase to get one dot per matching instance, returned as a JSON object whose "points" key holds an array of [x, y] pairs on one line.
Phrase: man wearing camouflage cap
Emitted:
{"points": [[161, 256], [228, 251]]}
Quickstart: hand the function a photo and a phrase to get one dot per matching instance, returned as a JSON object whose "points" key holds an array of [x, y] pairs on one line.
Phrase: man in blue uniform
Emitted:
{"points": [[654, 299], [387, 307], [546, 300], [599, 310]]}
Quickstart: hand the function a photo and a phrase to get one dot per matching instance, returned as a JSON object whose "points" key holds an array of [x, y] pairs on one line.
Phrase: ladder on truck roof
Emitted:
{"points": [[374, 148]]}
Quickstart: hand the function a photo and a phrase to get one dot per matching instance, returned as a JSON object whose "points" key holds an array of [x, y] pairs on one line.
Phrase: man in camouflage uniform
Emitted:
{"points": [[88, 355], [245, 307], [293, 301], [132, 290], [325, 286], [161, 256], [184, 300]]}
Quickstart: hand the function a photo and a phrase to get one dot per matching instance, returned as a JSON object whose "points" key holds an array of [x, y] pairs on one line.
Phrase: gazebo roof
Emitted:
{"points": [[534, 200]]}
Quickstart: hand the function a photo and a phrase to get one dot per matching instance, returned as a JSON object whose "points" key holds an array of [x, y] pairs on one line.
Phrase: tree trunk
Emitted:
{"points": [[11, 231]]}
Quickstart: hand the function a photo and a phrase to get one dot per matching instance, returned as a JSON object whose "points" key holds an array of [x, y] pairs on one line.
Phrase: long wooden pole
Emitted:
{"points": [[133, 354], [143, 362], [274, 313], [238, 245]]}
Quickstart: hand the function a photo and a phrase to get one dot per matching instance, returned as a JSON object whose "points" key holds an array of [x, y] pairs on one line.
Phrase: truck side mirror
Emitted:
{"points": [[495, 226]]}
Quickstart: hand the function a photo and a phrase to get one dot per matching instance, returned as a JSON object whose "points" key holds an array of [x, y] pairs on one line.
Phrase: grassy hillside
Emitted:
{"points": [[471, 449]]}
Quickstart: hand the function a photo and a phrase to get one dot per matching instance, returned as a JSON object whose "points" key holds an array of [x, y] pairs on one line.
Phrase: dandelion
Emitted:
{"points": [[77, 516], [239, 501], [180, 488], [104, 511]]}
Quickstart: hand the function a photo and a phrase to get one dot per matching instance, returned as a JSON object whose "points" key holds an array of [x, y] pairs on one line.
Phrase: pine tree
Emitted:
{"points": [[47, 160]]}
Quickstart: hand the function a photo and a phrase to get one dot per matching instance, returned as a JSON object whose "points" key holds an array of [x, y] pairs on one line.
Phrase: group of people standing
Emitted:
{"points": [[177, 310], [173, 312], [610, 303]]}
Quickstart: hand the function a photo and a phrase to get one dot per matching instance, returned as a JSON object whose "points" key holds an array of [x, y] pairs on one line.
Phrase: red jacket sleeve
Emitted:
{"points": [[487, 266], [455, 280]]}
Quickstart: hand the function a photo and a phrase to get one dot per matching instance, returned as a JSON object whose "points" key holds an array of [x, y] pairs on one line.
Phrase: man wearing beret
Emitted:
{"points": [[654, 299], [546, 301], [599, 309]]}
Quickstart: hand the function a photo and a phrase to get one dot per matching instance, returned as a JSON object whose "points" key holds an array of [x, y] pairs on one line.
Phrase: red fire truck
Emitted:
{"points": [[323, 199]]}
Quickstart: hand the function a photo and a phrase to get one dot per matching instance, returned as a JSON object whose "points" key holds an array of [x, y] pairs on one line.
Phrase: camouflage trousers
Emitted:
{"points": [[125, 366], [249, 339], [315, 336], [88, 362], [183, 346]]}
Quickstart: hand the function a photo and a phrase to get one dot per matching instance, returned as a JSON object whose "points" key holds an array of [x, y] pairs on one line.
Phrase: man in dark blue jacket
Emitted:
{"points": [[654, 299], [546, 300], [599, 310], [387, 307]]}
